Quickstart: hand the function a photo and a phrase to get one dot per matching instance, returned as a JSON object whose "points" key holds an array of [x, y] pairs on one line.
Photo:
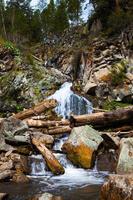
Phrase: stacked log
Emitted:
{"points": [[104, 119], [36, 110]]}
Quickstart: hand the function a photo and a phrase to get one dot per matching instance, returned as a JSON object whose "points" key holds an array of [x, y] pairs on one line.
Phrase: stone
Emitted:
{"points": [[125, 161], [111, 141], [7, 174], [46, 196], [19, 176], [103, 75], [118, 187], [90, 88], [3, 196], [6, 166], [81, 146], [12, 126], [3, 146], [21, 160]]}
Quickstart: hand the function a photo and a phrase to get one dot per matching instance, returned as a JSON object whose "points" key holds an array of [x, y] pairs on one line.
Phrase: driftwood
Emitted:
{"points": [[51, 161], [61, 130], [55, 131], [41, 123], [36, 110], [104, 119]]}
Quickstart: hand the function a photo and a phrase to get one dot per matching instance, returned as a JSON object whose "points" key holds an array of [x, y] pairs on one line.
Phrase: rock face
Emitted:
{"points": [[118, 187], [81, 146], [125, 162]]}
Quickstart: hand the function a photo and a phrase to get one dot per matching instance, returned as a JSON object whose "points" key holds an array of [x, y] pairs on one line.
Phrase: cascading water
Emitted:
{"points": [[76, 183], [68, 103]]}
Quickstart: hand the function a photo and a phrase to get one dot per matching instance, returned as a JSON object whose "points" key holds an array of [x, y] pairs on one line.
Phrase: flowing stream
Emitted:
{"points": [[76, 183]]}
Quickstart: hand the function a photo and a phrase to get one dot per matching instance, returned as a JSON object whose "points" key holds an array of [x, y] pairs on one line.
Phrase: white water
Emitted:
{"points": [[68, 103]]}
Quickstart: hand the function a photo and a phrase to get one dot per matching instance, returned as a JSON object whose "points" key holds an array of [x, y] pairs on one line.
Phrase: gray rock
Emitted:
{"points": [[11, 127], [125, 162]]}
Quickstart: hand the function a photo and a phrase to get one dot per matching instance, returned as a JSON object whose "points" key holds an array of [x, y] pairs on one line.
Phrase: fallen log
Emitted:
{"points": [[104, 119], [37, 109], [62, 130], [51, 161], [41, 123]]}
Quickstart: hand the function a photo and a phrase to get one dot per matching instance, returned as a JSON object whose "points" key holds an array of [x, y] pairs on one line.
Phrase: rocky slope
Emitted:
{"points": [[100, 67]]}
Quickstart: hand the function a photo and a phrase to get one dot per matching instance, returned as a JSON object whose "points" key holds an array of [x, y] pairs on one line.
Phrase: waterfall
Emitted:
{"points": [[68, 103]]}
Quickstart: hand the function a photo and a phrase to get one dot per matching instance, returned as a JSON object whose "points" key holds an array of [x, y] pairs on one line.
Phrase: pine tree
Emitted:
{"points": [[74, 9], [61, 17]]}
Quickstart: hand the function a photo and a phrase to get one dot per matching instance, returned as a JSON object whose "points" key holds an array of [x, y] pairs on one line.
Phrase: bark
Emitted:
{"points": [[61, 130], [51, 161], [104, 119], [42, 123], [36, 110]]}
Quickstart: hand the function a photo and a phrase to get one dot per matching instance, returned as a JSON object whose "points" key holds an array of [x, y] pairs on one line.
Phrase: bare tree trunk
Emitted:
{"points": [[51, 161], [2, 18], [104, 119], [36, 110]]}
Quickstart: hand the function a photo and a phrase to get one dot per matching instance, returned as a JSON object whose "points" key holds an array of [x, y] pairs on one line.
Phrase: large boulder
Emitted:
{"points": [[118, 187], [81, 146], [11, 127], [125, 162]]}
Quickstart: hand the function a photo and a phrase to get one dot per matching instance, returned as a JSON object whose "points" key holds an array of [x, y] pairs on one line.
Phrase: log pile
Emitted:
{"points": [[115, 118]]}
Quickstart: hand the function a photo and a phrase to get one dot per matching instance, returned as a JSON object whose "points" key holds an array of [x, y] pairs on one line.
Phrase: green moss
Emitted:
{"points": [[113, 105], [118, 73]]}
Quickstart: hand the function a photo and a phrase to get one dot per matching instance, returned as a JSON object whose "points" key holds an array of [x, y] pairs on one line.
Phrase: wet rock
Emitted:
{"points": [[7, 174], [20, 160], [19, 176], [3, 196], [81, 146], [46, 196], [11, 127], [118, 187], [6, 166], [125, 162]]}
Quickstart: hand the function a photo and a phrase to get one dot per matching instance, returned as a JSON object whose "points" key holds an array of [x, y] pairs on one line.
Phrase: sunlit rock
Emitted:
{"points": [[81, 146]]}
